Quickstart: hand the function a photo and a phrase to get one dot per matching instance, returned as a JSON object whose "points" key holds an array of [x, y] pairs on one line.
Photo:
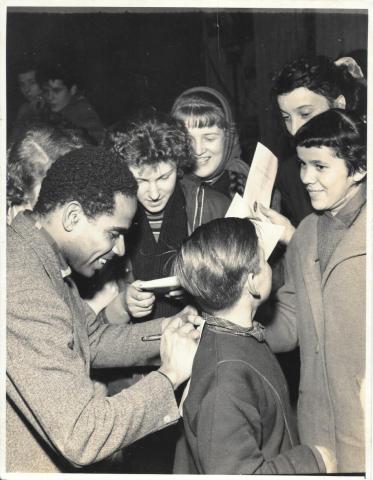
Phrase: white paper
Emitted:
{"points": [[261, 178], [268, 233], [165, 283]]}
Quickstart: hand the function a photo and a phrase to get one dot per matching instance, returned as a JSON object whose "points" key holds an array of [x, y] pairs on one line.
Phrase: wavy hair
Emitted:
{"points": [[150, 140]]}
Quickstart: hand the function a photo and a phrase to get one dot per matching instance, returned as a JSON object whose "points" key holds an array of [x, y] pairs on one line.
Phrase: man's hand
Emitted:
{"points": [[278, 219], [137, 302], [179, 344]]}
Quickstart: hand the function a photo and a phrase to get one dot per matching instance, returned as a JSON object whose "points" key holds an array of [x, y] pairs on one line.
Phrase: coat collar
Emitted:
{"points": [[26, 226]]}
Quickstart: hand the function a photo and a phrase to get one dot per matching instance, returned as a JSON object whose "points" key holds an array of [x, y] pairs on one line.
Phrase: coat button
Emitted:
{"points": [[167, 419], [317, 348]]}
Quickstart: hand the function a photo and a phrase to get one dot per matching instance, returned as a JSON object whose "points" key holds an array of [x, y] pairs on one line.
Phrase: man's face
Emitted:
{"points": [[58, 95], [96, 241], [208, 144], [28, 85], [299, 106], [326, 178], [156, 184]]}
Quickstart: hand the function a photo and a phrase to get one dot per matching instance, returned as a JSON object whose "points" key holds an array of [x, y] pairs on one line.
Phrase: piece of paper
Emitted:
{"points": [[161, 285], [261, 178], [268, 233]]}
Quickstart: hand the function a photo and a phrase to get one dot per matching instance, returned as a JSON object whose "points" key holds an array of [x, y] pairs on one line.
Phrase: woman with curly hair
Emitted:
{"points": [[158, 151]]}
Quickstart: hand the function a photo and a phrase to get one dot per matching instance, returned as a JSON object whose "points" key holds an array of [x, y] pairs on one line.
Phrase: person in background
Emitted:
{"points": [[29, 158], [321, 307], [35, 106], [237, 416], [302, 89], [208, 117], [57, 420], [65, 100]]}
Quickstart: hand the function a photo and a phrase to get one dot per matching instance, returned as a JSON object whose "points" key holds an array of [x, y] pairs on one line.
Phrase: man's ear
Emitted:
{"points": [[73, 90], [340, 102], [359, 175], [251, 286], [72, 215]]}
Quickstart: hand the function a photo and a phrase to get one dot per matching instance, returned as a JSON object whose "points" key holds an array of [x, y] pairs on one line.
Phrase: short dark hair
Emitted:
{"points": [[58, 72], [29, 157], [320, 75], [199, 110], [91, 176], [26, 67], [152, 139], [340, 130], [214, 262]]}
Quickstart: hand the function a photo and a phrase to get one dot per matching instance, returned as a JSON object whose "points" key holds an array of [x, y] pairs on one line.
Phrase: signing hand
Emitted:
{"points": [[179, 344]]}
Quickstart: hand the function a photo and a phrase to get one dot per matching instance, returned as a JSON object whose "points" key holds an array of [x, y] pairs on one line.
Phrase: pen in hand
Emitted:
{"points": [[150, 338]]}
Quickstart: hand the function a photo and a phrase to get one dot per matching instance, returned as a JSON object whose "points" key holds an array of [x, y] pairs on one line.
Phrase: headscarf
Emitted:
{"points": [[232, 151]]}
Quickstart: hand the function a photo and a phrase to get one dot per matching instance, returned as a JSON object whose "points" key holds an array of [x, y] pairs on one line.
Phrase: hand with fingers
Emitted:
{"points": [[278, 219], [179, 344], [137, 302]]}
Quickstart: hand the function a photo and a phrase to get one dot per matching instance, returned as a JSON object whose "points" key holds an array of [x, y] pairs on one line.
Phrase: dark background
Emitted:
{"points": [[127, 59]]}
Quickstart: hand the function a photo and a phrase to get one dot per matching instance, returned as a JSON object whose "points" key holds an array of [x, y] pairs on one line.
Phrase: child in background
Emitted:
{"points": [[237, 416]]}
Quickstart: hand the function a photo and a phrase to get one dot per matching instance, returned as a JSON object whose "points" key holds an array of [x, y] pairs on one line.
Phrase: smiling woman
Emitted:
{"points": [[208, 118]]}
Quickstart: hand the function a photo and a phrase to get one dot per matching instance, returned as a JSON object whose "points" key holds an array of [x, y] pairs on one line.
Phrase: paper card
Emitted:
{"points": [[261, 178], [268, 233], [161, 285]]}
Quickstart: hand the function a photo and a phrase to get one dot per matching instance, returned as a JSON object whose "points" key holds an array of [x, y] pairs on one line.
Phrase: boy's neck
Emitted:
{"points": [[241, 313]]}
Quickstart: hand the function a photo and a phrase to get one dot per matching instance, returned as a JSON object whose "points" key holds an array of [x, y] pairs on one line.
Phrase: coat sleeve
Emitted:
{"points": [[229, 432], [281, 333], [48, 379]]}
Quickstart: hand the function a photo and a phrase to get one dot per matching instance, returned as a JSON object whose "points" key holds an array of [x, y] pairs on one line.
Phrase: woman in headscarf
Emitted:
{"points": [[208, 117]]}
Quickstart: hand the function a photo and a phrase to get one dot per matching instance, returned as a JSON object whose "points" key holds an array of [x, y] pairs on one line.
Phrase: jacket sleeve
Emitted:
{"points": [[229, 432], [281, 333], [48, 379]]}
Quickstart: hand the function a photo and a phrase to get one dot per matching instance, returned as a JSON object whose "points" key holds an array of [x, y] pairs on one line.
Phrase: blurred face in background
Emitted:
{"points": [[57, 94], [156, 184], [28, 85]]}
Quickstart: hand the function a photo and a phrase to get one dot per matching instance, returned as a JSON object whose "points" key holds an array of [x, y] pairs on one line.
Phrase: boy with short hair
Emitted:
{"points": [[237, 415]]}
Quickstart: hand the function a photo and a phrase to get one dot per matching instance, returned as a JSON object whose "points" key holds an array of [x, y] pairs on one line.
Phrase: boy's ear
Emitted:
{"points": [[251, 286], [71, 216], [340, 102], [73, 90], [359, 175]]}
